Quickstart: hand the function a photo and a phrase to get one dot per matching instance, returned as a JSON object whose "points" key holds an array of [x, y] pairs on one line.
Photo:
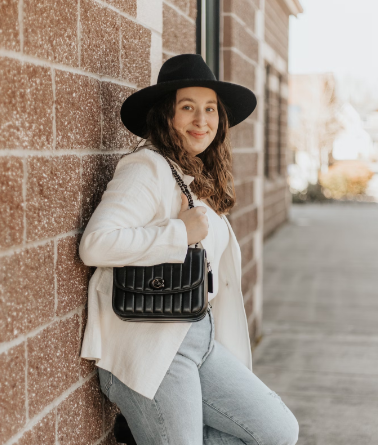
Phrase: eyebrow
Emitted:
{"points": [[191, 100]]}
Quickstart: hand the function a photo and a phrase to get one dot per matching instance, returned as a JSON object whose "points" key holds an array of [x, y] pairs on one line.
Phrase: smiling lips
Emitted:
{"points": [[197, 135]]}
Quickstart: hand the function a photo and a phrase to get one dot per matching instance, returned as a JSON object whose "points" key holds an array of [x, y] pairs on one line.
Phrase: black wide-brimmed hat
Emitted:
{"points": [[185, 70]]}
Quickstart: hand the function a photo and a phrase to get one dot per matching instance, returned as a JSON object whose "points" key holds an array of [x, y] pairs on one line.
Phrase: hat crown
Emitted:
{"points": [[185, 66]]}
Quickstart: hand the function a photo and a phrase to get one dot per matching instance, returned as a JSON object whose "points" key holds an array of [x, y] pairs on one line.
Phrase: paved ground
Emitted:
{"points": [[320, 346]]}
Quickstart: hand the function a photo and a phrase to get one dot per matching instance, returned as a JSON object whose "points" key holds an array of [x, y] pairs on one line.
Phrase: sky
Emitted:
{"points": [[339, 36]]}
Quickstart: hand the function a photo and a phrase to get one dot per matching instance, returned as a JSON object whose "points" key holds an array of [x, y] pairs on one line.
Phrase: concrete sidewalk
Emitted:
{"points": [[319, 351]]}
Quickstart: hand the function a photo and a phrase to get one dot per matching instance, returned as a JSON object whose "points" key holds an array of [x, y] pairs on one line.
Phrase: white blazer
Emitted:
{"points": [[136, 224]]}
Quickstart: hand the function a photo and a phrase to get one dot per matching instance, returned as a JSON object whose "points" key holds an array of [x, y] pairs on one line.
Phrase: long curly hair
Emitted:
{"points": [[211, 169]]}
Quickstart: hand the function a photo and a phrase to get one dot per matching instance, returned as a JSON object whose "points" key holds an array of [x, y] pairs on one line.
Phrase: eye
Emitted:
{"points": [[210, 109], [186, 107]]}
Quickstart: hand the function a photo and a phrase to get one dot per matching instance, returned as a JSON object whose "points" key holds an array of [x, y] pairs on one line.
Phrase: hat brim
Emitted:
{"points": [[239, 101]]}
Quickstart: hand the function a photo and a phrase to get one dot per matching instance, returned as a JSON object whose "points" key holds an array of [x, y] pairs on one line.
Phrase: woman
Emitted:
{"points": [[179, 383]]}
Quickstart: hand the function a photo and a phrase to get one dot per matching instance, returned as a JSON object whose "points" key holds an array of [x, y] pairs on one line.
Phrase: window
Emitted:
{"points": [[208, 26]]}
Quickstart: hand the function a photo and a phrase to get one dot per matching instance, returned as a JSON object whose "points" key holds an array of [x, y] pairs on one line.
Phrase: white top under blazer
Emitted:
{"points": [[136, 224]]}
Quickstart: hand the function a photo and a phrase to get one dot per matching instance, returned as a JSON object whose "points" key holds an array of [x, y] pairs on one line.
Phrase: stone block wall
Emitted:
{"points": [[65, 69], [243, 64]]}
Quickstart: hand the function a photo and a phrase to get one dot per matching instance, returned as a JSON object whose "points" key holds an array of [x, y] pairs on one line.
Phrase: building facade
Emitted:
{"points": [[66, 67]]}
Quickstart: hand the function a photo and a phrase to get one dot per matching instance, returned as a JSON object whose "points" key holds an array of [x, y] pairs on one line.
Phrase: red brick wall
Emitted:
{"points": [[276, 193], [240, 65], [65, 69]]}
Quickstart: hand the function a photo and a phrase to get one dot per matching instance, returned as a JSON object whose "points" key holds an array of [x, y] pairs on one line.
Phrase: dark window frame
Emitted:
{"points": [[210, 27]]}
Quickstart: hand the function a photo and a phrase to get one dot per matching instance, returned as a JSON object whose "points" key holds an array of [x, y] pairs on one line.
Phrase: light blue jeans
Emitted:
{"points": [[206, 397]]}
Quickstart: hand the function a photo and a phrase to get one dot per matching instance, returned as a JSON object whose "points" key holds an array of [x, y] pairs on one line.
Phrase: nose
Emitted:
{"points": [[200, 118]]}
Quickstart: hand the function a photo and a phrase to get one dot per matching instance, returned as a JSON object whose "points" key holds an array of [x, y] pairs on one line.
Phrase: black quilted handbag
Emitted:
{"points": [[167, 292]]}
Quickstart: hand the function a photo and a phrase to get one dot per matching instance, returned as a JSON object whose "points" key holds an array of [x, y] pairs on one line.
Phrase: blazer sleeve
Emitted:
{"points": [[120, 231]]}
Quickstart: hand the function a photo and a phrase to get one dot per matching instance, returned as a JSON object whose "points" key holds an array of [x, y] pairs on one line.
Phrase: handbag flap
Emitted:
{"points": [[165, 278]]}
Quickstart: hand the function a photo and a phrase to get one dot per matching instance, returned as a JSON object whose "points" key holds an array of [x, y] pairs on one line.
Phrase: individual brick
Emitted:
{"points": [[244, 224], [252, 329], [248, 305], [193, 9], [244, 165], [179, 33], [27, 290], [99, 39], [127, 6], [12, 391], [86, 366], [245, 10], [236, 35], [78, 111], [249, 279], [243, 134], [110, 412], [11, 201], [247, 252], [98, 170], [115, 136], [184, 5], [26, 119], [9, 27], [53, 196], [80, 415], [50, 30], [238, 70], [135, 53], [41, 434], [276, 28], [53, 362], [72, 275], [244, 194]]}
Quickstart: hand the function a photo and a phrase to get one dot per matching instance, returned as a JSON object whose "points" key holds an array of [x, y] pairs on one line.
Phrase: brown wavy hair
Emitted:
{"points": [[211, 169]]}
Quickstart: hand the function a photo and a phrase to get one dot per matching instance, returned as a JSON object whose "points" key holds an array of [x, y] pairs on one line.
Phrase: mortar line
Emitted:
{"points": [[48, 409], [125, 15], [175, 8], [37, 243], [61, 67], [241, 54], [59, 153], [5, 346]]}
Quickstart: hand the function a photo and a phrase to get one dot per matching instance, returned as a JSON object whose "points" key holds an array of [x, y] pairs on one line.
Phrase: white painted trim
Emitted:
{"points": [[203, 29], [294, 7], [156, 56], [150, 14], [274, 59]]}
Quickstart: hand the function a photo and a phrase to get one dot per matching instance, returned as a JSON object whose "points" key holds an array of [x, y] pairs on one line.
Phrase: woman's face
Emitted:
{"points": [[196, 118]]}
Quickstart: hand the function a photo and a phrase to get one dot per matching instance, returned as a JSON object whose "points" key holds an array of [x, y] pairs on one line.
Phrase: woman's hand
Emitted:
{"points": [[195, 220]]}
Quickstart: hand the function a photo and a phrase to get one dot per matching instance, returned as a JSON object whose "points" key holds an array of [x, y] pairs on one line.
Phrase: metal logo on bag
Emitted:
{"points": [[157, 283]]}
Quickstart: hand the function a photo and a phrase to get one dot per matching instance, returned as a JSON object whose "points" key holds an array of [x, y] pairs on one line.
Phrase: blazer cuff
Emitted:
{"points": [[180, 240]]}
